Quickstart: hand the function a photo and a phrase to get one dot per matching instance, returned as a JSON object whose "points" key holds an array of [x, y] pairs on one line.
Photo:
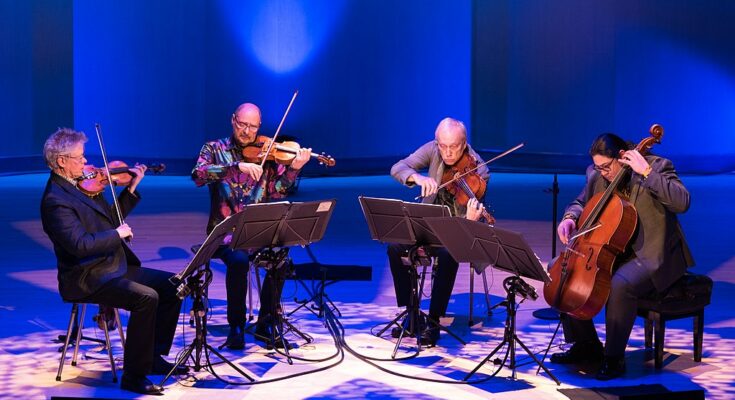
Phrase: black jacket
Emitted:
{"points": [[89, 251]]}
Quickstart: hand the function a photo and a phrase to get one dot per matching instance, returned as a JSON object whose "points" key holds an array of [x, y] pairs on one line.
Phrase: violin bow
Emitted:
{"points": [[273, 141], [98, 129], [471, 170]]}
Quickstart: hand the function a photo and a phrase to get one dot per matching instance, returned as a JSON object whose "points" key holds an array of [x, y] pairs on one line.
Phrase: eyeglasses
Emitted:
{"points": [[78, 158], [604, 167], [245, 125], [453, 147]]}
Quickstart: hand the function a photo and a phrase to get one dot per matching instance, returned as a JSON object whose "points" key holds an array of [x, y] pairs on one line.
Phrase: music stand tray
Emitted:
{"points": [[263, 227], [206, 251], [396, 221], [479, 243]]}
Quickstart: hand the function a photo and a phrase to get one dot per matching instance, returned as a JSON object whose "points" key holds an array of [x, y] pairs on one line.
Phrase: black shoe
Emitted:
{"points": [[139, 384], [396, 331], [263, 334], [430, 335], [236, 338], [611, 368], [163, 367], [580, 352]]}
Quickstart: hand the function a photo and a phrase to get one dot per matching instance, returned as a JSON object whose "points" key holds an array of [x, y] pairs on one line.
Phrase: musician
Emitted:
{"points": [[233, 184], [96, 266], [657, 256], [447, 148]]}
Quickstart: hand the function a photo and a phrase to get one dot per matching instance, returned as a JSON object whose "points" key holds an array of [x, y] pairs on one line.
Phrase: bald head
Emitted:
{"points": [[245, 123], [451, 138]]}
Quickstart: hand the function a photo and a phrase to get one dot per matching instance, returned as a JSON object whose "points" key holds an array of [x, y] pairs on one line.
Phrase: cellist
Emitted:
{"points": [[657, 254]]}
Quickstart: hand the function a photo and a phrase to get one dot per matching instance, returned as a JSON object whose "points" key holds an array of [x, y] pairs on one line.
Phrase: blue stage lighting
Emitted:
{"points": [[282, 34]]}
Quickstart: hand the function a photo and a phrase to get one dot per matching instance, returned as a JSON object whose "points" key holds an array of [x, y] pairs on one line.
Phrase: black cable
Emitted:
{"points": [[370, 360]]}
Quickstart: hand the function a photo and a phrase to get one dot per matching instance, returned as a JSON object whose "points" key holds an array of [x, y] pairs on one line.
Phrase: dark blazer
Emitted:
{"points": [[88, 250], [659, 242]]}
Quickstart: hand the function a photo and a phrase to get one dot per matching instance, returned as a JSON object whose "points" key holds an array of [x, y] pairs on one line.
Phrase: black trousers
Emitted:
{"points": [[154, 312], [236, 283], [630, 282], [443, 280]]}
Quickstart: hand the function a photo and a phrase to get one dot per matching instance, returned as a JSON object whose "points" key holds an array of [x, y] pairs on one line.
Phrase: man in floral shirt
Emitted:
{"points": [[234, 183]]}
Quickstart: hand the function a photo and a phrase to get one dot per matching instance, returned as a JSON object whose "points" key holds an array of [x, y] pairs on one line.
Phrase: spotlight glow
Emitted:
{"points": [[283, 34]]}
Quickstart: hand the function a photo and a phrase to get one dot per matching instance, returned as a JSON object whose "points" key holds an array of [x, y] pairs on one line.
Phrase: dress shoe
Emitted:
{"points": [[396, 331], [139, 384], [580, 352], [263, 334], [236, 338], [163, 367], [430, 335], [611, 368]]}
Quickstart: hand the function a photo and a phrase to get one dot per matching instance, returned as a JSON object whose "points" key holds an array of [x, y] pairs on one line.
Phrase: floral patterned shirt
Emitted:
{"points": [[230, 190]]}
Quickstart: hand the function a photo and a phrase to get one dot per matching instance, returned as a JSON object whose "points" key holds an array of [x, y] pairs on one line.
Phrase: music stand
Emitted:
{"points": [[396, 221], [267, 230], [479, 243], [194, 280]]}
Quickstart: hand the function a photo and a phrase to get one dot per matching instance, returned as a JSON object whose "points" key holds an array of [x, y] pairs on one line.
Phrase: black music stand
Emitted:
{"points": [[396, 221], [267, 230], [480, 243], [193, 280]]}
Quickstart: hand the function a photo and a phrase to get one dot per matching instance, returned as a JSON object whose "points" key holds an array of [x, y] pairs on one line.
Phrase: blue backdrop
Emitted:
{"points": [[374, 77], [555, 74]]}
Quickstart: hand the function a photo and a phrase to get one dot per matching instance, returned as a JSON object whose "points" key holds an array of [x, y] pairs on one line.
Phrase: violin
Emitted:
{"points": [[282, 153], [463, 182], [93, 180]]}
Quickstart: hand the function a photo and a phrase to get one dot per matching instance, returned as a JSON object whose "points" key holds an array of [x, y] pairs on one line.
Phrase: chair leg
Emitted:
{"points": [[659, 332], [471, 322], [250, 292], [109, 351], [258, 283], [648, 331], [80, 328], [487, 292], [120, 328], [698, 335], [72, 318]]}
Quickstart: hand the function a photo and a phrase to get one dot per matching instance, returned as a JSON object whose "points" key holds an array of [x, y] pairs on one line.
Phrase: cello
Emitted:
{"points": [[581, 276]]}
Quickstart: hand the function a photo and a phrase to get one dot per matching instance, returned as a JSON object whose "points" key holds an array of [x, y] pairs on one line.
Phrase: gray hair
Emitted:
{"points": [[60, 143], [449, 123]]}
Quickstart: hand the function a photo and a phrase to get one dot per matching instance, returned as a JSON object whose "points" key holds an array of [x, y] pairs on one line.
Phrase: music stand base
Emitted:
{"points": [[197, 283], [510, 337], [413, 312]]}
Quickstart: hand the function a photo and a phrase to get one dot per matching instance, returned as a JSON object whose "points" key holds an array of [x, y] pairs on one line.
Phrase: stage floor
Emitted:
{"points": [[172, 216]]}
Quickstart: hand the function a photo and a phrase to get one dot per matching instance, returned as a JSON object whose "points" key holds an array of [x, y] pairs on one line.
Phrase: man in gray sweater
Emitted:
{"points": [[448, 147]]}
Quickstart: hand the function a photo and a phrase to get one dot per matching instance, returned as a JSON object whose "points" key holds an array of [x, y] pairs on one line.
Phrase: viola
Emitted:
{"points": [[463, 182], [282, 153], [94, 180], [581, 276]]}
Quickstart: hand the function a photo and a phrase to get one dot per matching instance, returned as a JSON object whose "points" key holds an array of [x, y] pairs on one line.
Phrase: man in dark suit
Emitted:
{"points": [[96, 266], [656, 257]]}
